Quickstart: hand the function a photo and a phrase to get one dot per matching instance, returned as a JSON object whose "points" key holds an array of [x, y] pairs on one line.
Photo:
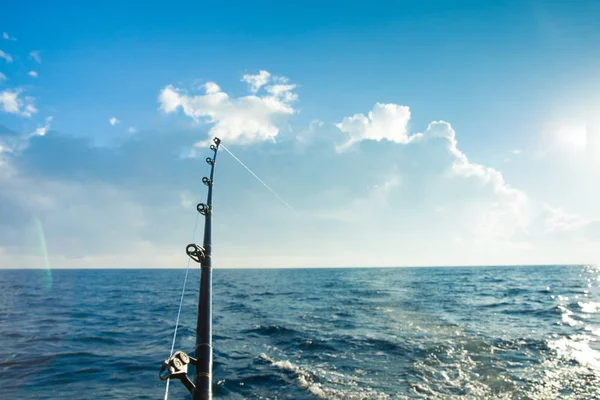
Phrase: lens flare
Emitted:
{"points": [[47, 271]]}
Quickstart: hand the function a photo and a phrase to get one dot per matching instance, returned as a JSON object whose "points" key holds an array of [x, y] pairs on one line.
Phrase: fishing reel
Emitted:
{"points": [[176, 367]]}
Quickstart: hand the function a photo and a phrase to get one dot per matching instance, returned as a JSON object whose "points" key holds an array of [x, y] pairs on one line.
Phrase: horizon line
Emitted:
{"points": [[345, 267]]}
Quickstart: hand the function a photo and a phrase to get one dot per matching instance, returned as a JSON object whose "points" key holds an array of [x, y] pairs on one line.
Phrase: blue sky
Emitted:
{"points": [[402, 133]]}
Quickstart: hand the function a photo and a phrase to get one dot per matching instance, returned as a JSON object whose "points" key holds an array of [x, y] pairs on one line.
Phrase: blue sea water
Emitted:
{"points": [[377, 333]]}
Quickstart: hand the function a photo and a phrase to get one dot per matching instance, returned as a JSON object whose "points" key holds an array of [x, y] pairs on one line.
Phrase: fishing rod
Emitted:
{"points": [[176, 366]]}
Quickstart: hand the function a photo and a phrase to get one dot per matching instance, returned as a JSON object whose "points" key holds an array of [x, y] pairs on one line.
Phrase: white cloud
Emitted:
{"points": [[503, 216], [558, 220], [243, 120], [113, 121], [9, 101], [257, 81], [7, 57], [29, 108], [6, 36], [493, 209], [33, 74], [408, 199], [556, 229], [211, 88], [12, 103], [16, 143], [2, 77], [283, 91], [41, 131], [385, 121], [58, 201], [36, 56], [59, 204], [131, 129], [516, 151], [305, 136], [363, 208]]}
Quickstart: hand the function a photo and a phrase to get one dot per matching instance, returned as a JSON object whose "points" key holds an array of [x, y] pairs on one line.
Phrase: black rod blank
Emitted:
{"points": [[203, 353]]}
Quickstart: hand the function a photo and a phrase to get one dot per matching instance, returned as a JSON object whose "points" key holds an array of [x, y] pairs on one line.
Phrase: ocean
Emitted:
{"points": [[371, 333]]}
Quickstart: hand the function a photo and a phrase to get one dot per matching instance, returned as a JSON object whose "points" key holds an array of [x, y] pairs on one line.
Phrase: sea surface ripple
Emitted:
{"points": [[373, 333]]}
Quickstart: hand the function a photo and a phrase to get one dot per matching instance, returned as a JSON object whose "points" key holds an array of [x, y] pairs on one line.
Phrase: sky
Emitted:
{"points": [[404, 133]]}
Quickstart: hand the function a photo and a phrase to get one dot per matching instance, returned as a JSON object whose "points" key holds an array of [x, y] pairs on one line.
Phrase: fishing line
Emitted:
{"points": [[187, 270], [260, 180], [193, 239]]}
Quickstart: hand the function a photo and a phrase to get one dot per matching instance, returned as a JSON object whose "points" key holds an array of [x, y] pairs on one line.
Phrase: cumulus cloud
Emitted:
{"points": [[12, 102], [508, 213], [33, 74], [494, 210], [7, 57], [257, 81], [461, 165], [6, 36], [243, 120], [113, 121], [385, 121], [36, 56], [401, 198]]}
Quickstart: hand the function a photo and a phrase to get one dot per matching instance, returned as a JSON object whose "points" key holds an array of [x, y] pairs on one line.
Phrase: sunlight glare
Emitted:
{"points": [[572, 137]]}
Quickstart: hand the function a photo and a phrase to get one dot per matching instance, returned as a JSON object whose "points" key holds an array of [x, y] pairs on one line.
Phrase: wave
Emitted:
{"points": [[320, 382], [271, 330]]}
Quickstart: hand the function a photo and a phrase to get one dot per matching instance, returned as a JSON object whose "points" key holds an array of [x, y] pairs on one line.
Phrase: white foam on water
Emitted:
{"points": [[571, 367], [589, 307], [579, 350], [567, 316], [594, 331], [320, 382], [462, 365], [572, 372], [456, 379]]}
